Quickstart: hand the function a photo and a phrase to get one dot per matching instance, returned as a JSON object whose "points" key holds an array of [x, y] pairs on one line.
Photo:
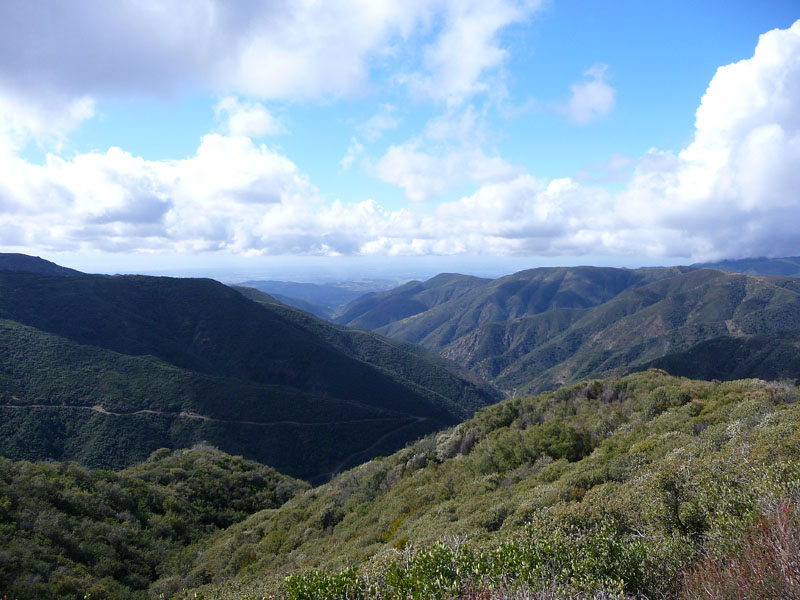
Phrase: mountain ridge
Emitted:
{"points": [[195, 345], [540, 328]]}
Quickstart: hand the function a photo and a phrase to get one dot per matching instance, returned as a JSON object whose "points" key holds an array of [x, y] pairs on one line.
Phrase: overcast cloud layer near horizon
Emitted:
{"points": [[732, 191]]}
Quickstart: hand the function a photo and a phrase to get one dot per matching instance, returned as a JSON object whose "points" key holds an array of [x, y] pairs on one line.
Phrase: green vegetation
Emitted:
{"points": [[629, 486], [454, 388], [538, 329], [438, 311], [634, 486], [646, 486], [104, 370], [67, 532], [769, 357], [33, 264], [67, 401]]}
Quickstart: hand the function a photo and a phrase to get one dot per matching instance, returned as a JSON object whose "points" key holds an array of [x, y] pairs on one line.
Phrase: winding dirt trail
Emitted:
{"points": [[192, 415], [403, 422]]}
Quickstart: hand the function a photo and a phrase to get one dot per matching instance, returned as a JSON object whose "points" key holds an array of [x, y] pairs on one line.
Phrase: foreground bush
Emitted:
{"points": [[766, 564]]}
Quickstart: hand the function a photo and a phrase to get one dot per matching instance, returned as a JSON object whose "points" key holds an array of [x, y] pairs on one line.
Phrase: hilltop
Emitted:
{"points": [[788, 266], [33, 264]]}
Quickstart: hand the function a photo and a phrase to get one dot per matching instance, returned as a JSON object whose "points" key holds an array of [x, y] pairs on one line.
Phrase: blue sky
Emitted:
{"points": [[483, 136]]}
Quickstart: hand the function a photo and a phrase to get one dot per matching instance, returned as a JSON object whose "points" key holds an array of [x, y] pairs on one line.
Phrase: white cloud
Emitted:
{"points": [[58, 59], [296, 50], [24, 119], [731, 192], [591, 99], [244, 118], [426, 176], [232, 194], [447, 154], [458, 61]]}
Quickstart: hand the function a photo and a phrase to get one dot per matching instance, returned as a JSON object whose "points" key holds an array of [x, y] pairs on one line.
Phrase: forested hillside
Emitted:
{"points": [[69, 532], [104, 370], [538, 329], [646, 486]]}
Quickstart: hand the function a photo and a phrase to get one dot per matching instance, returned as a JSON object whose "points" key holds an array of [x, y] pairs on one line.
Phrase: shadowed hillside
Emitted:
{"points": [[33, 264], [174, 361]]}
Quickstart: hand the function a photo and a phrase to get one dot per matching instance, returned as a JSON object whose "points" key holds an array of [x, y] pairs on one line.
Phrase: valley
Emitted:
{"points": [[537, 329], [439, 300], [541, 413]]}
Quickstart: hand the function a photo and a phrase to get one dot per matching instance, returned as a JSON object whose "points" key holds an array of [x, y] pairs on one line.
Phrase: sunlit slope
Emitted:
{"points": [[643, 324], [619, 482], [541, 328]]}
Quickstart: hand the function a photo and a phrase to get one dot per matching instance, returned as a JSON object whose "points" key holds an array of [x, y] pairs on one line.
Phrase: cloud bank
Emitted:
{"points": [[269, 50], [731, 192]]}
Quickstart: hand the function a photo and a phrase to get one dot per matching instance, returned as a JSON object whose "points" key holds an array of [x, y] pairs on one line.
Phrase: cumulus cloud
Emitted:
{"points": [[456, 64], [447, 153], [591, 99], [731, 192], [220, 198], [57, 60], [425, 175], [22, 120], [295, 50]]}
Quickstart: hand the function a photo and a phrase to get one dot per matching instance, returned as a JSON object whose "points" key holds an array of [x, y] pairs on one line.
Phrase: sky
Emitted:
{"points": [[331, 138]]}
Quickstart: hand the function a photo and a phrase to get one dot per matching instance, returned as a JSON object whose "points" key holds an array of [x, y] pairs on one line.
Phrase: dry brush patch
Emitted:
{"points": [[766, 564]]}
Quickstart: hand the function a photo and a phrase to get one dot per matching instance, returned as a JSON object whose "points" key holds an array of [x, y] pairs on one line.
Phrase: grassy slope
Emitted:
{"points": [[681, 465]]}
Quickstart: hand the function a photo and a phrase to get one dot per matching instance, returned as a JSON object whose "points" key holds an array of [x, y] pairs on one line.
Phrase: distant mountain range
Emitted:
{"points": [[321, 299], [545, 327], [562, 494], [106, 369], [786, 267]]}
